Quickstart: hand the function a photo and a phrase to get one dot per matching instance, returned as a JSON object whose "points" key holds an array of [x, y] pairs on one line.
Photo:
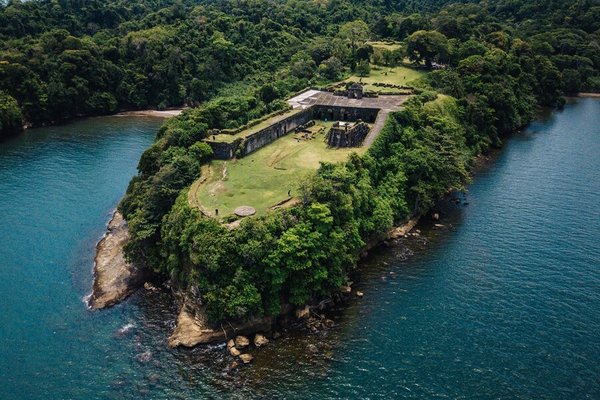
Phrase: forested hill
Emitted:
{"points": [[60, 59], [236, 60]]}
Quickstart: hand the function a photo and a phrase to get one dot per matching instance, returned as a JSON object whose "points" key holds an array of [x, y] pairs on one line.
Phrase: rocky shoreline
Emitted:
{"points": [[114, 277]]}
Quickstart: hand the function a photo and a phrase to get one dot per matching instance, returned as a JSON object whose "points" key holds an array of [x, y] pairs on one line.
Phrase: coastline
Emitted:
{"points": [[172, 112], [192, 329], [588, 95], [114, 277], [152, 113]]}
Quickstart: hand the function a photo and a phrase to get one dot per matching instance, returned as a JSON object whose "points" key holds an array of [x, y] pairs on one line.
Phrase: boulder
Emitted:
{"points": [[359, 294], [435, 216], [233, 365], [246, 358], [241, 342], [345, 289], [234, 352], [303, 313], [260, 340], [230, 343]]}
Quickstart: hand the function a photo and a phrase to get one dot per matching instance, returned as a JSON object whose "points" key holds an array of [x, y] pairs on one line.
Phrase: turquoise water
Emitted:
{"points": [[501, 303]]}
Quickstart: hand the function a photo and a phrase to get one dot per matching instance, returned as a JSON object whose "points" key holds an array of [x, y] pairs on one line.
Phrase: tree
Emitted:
{"points": [[427, 46], [355, 33], [11, 119], [363, 68], [302, 65], [331, 68]]}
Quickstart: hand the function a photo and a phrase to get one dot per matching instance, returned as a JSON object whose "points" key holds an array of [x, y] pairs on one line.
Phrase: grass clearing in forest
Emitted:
{"points": [[262, 179], [385, 45], [402, 76]]}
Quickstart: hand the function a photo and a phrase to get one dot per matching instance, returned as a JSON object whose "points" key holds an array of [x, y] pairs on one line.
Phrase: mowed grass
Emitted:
{"points": [[400, 75], [262, 179]]}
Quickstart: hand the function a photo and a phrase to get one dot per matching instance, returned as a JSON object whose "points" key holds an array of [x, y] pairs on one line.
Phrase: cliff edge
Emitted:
{"points": [[114, 277]]}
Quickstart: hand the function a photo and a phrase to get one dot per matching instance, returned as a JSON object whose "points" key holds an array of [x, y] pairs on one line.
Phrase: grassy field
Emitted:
{"points": [[395, 75], [391, 46], [262, 179]]}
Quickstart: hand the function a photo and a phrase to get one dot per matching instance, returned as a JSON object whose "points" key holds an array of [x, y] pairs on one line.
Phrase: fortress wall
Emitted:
{"points": [[263, 137], [271, 133], [354, 137], [343, 113], [222, 150]]}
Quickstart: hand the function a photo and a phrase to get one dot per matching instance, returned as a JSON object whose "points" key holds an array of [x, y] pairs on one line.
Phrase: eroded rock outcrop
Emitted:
{"points": [[193, 328], [114, 277]]}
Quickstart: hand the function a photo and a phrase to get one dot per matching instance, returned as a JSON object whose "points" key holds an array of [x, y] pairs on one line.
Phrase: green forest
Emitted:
{"points": [[232, 61]]}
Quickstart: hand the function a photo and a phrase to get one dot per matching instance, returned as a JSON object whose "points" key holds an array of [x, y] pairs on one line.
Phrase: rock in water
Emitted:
{"points": [[260, 340], [345, 289], [241, 342], [192, 327], [230, 343], [144, 357], [114, 277], [359, 294], [246, 358], [234, 352], [233, 365]]}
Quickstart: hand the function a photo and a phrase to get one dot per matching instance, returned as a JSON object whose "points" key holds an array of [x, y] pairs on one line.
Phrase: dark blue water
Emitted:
{"points": [[503, 304], [57, 188]]}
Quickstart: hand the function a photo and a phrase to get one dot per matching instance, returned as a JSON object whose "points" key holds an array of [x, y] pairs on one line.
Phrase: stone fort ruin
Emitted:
{"points": [[352, 114]]}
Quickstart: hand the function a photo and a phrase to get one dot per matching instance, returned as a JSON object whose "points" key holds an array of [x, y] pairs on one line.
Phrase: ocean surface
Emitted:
{"points": [[502, 302]]}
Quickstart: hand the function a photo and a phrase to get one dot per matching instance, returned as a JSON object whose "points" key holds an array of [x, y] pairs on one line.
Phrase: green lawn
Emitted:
{"points": [[385, 45], [262, 179], [402, 76]]}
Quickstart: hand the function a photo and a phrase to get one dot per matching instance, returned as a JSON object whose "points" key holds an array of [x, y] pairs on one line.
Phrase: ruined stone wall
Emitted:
{"points": [[263, 137], [222, 150], [353, 137], [270, 134], [341, 113]]}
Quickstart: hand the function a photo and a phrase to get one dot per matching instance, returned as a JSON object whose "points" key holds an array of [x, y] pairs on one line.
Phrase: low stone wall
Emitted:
{"points": [[223, 150], [353, 137], [341, 113], [271, 133], [261, 138]]}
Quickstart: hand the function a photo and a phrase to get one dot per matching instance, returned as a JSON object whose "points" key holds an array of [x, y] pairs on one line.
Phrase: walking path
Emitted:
{"points": [[376, 128]]}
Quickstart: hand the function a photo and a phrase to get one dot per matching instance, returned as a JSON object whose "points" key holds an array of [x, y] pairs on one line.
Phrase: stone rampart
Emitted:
{"points": [[271, 133], [344, 113]]}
